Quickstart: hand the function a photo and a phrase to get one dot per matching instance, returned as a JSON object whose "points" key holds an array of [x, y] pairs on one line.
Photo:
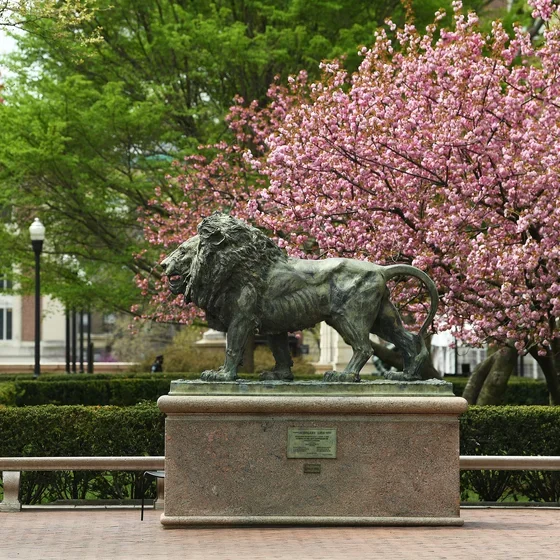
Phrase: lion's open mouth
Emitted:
{"points": [[176, 283]]}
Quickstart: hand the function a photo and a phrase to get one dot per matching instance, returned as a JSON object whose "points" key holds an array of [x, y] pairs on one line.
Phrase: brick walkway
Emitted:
{"points": [[490, 534]]}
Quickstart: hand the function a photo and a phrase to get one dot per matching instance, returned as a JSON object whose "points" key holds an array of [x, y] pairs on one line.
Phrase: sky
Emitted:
{"points": [[6, 43]]}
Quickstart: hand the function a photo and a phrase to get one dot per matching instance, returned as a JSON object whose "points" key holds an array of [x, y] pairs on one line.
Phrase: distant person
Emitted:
{"points": [[157, 366]]}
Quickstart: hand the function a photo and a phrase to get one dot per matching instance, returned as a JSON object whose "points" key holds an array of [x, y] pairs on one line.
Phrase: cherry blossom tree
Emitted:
{"points": [[441, 151]]}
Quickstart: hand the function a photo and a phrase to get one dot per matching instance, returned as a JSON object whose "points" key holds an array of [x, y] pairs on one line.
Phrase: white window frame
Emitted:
{"points": [[6, 323]]}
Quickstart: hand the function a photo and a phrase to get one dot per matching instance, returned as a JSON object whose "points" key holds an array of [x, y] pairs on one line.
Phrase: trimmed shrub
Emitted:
{"points": [[45, 431], [49, 430], [7, 394], [130, 389], [121, 392], [511, 430], [519, 391], [139, 430], [526, 392], [94, 390]]}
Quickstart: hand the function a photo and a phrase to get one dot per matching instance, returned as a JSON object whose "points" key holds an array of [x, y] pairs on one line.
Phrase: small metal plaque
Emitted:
{"points": [[312, 468], [311, 443]]}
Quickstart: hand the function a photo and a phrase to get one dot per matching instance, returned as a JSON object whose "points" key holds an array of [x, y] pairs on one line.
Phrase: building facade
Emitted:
{"points": [[17, 328], [17, 333]]}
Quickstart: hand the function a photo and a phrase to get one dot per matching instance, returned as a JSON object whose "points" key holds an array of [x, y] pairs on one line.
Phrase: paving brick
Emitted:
{"points": [[491, 534]]}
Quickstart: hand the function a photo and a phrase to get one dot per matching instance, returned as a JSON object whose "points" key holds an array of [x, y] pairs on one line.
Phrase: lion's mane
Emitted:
{"points": [[231, 255]]}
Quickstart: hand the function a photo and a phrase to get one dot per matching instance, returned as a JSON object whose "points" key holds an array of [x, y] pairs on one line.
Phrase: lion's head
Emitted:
{"points": [[177, 267], [226, 254]]}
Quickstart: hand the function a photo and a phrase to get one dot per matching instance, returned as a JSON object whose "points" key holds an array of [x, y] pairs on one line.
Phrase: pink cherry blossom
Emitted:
{"points": [[442, 150], [442, 153]]}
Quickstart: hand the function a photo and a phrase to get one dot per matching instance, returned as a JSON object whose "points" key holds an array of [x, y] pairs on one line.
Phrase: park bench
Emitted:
{"points": [[11, 467]]}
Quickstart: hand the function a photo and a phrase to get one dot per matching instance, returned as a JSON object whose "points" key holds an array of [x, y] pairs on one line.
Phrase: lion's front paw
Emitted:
{"points": [[336, 377], [277, 375], [218, 375]]}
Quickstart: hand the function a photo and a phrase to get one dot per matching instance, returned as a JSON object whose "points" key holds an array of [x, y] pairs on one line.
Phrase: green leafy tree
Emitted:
{"points": [[99, 105], [16, 13]]}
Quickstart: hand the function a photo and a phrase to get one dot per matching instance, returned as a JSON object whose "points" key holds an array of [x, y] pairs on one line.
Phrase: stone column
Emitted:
{"points": [[335, 353]]}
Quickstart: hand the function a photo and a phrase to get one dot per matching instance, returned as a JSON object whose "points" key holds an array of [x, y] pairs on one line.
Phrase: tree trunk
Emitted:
{"points": [[477, 379], [392, 358], [550, 370], [503, 366]]}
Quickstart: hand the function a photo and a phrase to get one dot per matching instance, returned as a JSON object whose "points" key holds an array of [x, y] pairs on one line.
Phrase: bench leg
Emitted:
{"points": [[11, 491]]}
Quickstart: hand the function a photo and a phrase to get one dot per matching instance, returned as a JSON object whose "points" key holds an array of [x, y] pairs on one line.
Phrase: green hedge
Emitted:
{"points": [[61, 376], [121, 392], [519, 391], [139, 430], [129, 389], [90, 390], [87, 390], [45, 431], [511, 430], [7, 394]]}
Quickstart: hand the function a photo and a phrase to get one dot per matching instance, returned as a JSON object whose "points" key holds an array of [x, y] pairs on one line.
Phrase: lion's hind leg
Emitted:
{"points": [[389, 327], [282, 370], [356, 335]]}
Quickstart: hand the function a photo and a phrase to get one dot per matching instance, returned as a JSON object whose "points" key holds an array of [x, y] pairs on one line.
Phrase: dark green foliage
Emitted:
{"points": [[130, 388], [56, 376], [519, 391], [94, 390], [526, 391], [458, 383], [511, 430], [7, 394], [139, 430], [122, 392], [45, 431]]}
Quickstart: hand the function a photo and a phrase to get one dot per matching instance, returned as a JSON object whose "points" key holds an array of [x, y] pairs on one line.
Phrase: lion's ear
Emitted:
{"points": [[212, 235], [213, 229], [216, 238]]}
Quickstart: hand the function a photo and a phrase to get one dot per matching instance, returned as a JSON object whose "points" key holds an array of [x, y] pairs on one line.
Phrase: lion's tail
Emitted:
{"points": [[406, 270]]}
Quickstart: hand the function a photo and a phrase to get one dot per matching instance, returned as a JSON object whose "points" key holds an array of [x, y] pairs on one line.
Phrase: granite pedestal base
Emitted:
{"points": [[314, 454]]}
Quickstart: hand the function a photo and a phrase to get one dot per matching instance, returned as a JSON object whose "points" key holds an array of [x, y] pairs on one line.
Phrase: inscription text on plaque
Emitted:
{"points": [[311, 443]]}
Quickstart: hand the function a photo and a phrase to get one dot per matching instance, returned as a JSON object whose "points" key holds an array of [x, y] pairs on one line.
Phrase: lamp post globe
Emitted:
{"points": [[37, 234]]}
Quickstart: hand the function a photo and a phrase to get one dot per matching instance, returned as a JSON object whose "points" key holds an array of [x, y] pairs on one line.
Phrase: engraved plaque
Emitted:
{"points": [[312, 468], [311, 443]]}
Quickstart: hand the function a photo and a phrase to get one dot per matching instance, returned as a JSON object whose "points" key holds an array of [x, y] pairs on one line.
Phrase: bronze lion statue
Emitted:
{"points": [[245, 282]]}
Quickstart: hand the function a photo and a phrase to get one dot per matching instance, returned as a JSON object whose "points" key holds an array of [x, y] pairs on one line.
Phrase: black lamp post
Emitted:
{"points": [[37, 233]]}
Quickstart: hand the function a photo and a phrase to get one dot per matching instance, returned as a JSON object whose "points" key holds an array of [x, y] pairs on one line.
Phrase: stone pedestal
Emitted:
{"points": [[311, 453]]}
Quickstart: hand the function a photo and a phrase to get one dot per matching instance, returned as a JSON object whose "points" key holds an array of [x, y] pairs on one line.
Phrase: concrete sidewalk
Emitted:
{"points": [[490, 534]]}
